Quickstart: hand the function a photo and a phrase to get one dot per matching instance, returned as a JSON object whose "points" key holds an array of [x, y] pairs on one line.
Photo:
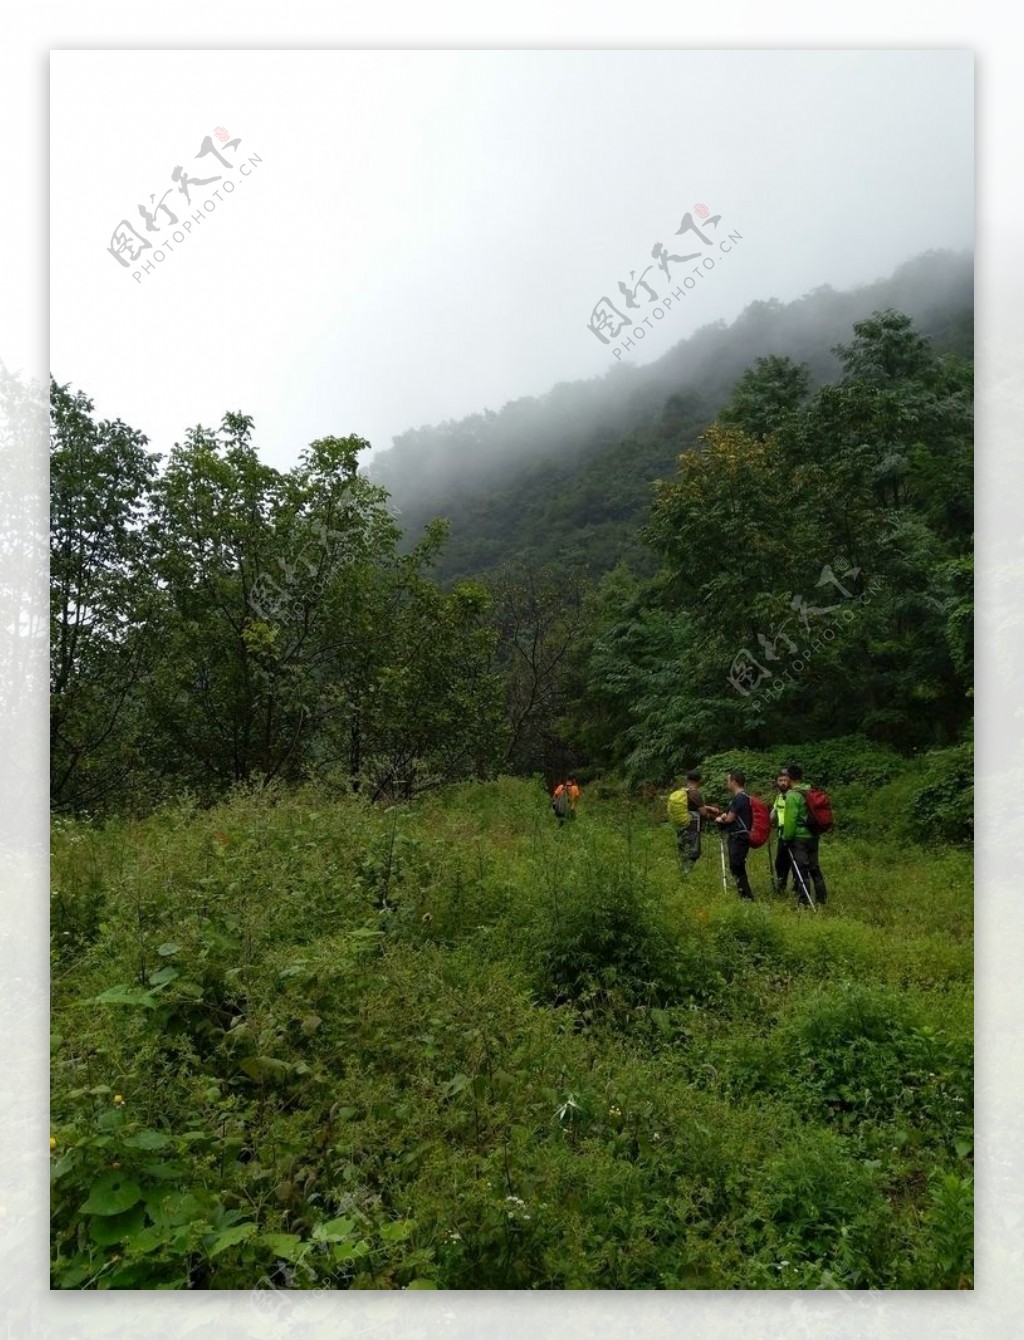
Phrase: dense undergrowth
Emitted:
{"points": [[300, 1042]]}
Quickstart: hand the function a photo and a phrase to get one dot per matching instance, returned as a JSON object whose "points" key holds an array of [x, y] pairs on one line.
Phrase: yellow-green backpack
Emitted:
{"points": [[678, 807]]}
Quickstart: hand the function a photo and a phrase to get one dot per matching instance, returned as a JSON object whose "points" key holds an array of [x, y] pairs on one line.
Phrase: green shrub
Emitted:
{"points": [[839, 762], [603, 933], [860, 1053], [943, 807], [947, 1261], [750, 938], [819, 1220]]}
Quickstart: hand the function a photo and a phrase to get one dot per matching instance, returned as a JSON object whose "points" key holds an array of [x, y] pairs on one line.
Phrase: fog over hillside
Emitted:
{"points": [[450, 468]]}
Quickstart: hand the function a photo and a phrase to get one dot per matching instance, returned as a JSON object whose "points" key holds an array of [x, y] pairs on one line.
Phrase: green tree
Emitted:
{"points": [[299, 636], [539, 617], [104, 611], [848, 506], [766, 395]]}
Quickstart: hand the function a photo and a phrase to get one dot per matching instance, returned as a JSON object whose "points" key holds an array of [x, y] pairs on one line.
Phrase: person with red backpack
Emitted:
{"points": [[739, 820], [808, 814]]}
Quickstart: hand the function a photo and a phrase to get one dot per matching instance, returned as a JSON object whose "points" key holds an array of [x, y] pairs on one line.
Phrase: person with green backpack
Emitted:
{"points": [[807, 814], [686, 809]]}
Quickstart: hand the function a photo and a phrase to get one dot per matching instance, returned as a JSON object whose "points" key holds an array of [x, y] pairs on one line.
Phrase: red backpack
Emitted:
{"points": [[760, 821], [819, 810]]}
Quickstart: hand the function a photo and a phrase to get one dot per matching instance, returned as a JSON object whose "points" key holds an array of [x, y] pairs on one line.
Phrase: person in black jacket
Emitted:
{"points": [[738, 820]]}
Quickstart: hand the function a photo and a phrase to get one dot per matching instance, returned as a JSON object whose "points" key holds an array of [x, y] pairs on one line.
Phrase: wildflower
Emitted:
{"points": [[455, 1236], [53, 1142], [118, 1100]]}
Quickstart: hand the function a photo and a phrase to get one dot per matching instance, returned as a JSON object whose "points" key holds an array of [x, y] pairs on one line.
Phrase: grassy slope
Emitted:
{"points": [[485, 1053]]}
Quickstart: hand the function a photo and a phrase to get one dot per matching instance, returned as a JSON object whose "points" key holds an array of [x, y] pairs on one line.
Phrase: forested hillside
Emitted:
{"points": [[567, 475], [806, 570]]}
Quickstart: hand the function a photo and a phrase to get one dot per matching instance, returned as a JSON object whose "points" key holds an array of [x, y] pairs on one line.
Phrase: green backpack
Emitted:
{"points": [[679, 807]]}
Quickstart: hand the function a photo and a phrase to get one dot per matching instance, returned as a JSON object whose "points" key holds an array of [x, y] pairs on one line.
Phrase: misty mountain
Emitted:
{"points": [[567, 475]]}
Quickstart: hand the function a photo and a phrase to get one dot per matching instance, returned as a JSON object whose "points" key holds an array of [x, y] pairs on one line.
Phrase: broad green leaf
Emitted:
{"points": [[230, 1237], [110, 1228], [112, 1193], [168, 948], [288, 1246], [64, 1164], [350, 1251], [397, 1231], [421, 1284], [146, 1140], [165, 1170], [164, 975], [152, 1238], [334, 1230], [171, 1208]]}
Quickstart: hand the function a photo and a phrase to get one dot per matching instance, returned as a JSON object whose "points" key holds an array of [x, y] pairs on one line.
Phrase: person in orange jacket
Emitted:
{"points": [[563, 800]]}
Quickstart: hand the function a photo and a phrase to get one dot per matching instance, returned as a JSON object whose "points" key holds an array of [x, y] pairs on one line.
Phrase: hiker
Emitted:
{"points": [[801, 841], [688, 827], [563, 800], [783, 859], [738, 819]]}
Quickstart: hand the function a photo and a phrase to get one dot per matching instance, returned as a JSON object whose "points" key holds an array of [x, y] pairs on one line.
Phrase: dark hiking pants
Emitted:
{"points": [[783, 867], [739, 847], [805, 854], [688, 841]]}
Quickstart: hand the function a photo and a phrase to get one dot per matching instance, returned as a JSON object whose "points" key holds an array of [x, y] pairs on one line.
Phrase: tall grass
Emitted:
{"points": [[302, 1042]]}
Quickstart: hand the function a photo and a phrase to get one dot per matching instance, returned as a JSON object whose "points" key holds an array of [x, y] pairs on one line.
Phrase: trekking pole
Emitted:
{"points": [[800, 879], [771, 864], [721, 848]]}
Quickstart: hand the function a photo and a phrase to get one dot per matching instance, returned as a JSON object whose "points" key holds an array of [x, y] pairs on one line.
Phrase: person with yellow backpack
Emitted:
{"points": [[686, 809]]}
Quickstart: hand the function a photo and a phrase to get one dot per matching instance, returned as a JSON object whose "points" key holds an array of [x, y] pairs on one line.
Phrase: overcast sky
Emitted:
{"points": [[421, 235]]}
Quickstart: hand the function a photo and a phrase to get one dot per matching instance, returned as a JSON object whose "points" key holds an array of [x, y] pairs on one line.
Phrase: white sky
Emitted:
{"points": [[427, 232]]}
